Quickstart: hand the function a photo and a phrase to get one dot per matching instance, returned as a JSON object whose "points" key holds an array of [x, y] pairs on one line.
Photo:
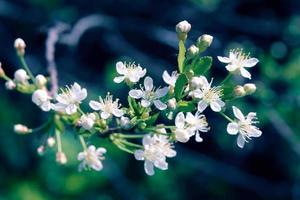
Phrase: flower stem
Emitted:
{"points": [[122, 147], [227, 78], [131, 144], [25, 66], [130, 136], [226, 117], [58, 139], [82, 142]]}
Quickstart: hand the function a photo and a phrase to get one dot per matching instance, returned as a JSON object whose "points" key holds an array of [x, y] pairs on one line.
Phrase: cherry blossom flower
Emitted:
{"points": [[129, 72], [107, 106], [238, 61], [197, 123], [20, 76], [87, 121], [170, 79], [69, 99], [156, 149], [42, 99], [149, 95], [91, 158], [209, 96], [244, 126], [182, 132]]}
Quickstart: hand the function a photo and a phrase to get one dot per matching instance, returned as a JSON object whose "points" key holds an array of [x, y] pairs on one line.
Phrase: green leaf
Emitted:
{"points": [[152, 119], [202, 65], [185, 106], [133, 105], [59, 125], [179, 86], [181, 55]]}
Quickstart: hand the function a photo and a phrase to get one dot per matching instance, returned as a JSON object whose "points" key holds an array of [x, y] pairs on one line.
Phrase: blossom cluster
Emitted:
{"points": [[181, 103]]}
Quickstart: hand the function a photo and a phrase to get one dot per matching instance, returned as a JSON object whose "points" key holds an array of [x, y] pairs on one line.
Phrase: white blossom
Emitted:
{"points": [[42, 99], [10, 85], [20, 46], [129, 72], [156, 149], [87, 121], [238, 61], [244, 126], [170, 79], [91, 158], [209, 96], [107, 106], [149, 95], [125, 122], [182, 132], [21, 76], [69, 99]]}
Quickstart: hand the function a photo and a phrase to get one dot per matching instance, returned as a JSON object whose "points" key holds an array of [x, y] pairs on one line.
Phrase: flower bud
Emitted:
{"points": [[21, 129], [21, 76], [204, 41], [61, 158], [125, 122], [20, 46], [2, 73], [10, 85], [239, 91], [40, 80], [41, 150], [249, 88], [193, 50], [172, 103], [182, 29], [161, 130], [51, 141]]}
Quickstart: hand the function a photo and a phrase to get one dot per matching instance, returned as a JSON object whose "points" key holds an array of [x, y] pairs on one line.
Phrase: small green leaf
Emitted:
{"points": [[133, 105], [202, 65], [185, 106], [152, 119], [179, 86], [181, 55]]}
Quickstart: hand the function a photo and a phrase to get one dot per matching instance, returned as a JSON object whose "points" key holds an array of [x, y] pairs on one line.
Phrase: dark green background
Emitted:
{"points": [[267, 168]]}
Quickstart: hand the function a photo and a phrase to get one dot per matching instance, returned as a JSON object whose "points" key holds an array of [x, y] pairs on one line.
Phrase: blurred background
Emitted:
{"points": [[96, 34]]}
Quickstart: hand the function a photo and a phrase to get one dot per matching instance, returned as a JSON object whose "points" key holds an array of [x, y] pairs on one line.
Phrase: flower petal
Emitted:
{"points": [[215, 106], [139, 154], [105, 115], [202, 105], [118, 112], [224, 59], [161, 92], [231, 67], [166, 77], [232, 128], [121, 68], [145, 103], [240, 141], [95, 105], [71, 109], [119, 79], [198, 138], [180, 120], [245, 73], [137, 94], [237, 113], [148, 83], [160, 105], [149, 168], [250, 62]]}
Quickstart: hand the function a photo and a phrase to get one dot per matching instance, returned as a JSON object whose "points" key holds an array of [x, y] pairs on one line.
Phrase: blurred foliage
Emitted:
{"points": [[143, 31]]}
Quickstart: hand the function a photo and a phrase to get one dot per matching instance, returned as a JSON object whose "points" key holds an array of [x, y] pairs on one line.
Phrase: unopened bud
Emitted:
{"points": [[2, 73], [21, 76], [249, 88], [40, 80], [20, 46], [172, 103], [21, 129], [204, 41], [193, 50], [61, 158], [161, 130], [51, 141], [125, 122], [239, 91], [10, 85], [41, 150], [182, 29]]}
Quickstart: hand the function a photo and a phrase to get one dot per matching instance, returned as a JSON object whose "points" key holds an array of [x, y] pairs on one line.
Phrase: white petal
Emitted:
{"points": [[148, 83], [81, 156], [245, 73], [224, 59], [250, 62], [180, 120], [231, 68], [139, 154], [145, 103], [149, 168], [232, 128], [240, 141], [170, 153], [215, 106], [161, 92], [101, 150], [198, 138], [202, 105], [190, 118], [254, 132], [95, 105], [147, 140], [121, 68], [71, 109], [119, 79], [237, 113], [105, 115], [198, 93], [166, 77], [97, 165], [46, 106], [232, 56], [161, 164], [137, 94], [118, 112], [160, 105]]}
